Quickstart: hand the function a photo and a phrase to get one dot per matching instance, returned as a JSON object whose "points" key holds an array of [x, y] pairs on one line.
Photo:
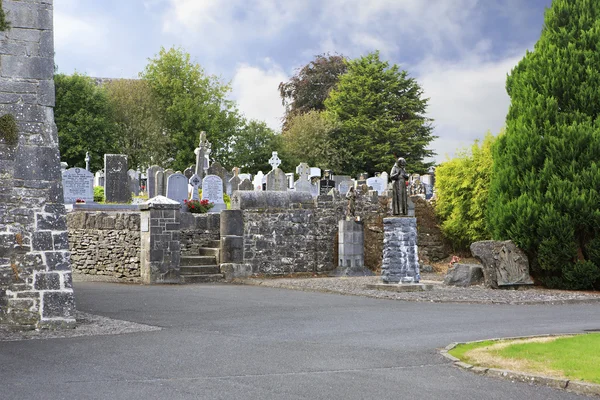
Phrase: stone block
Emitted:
{"points": [[464, 275], [59, 305], [504, 264], [233, 271], [400, 260], [231, 223], [232, 249], [47, 281]]}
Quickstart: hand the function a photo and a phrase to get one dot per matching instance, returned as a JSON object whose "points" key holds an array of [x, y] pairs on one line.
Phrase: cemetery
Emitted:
{"points": [[210, 237]]}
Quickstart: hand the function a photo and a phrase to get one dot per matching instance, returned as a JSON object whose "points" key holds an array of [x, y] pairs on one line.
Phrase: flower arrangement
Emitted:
{"points": [[198, 206], [80, 201]]}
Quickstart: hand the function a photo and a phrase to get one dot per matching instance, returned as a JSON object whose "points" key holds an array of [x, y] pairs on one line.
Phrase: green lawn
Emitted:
{"points": [[576, 357]]}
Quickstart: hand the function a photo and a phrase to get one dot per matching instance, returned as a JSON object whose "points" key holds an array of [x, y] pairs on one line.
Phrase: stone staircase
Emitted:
{"points": [[203, 267]]}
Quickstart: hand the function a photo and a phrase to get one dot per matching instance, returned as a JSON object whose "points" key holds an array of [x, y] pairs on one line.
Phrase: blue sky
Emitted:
{"points": [[459, 50]]}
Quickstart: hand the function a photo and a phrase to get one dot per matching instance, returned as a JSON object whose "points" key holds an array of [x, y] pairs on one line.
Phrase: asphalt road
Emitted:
{"points": [[246, 342]]}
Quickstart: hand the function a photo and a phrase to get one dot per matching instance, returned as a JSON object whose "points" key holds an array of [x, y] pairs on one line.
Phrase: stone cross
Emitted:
{"points": [[274, 161], [201, 152], [87, 160], [195, 182]]}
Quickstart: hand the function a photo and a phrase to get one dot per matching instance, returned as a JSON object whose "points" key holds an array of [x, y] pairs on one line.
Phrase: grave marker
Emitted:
{"points": [[116, 184], [78, 183], [177, 188], [212, 190]]}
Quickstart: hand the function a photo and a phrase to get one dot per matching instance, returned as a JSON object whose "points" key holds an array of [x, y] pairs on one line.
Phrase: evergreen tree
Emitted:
{"points": [[545, 185], [382, 115]]}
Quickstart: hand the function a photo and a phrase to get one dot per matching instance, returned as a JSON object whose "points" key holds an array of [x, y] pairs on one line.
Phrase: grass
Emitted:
{"points": [[572, 357]]}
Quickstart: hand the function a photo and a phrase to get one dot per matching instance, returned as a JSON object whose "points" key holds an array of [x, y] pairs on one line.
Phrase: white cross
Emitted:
{"points": [[275, 162]]}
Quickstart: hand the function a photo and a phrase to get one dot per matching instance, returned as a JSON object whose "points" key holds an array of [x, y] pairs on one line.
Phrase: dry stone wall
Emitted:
{"points": [[198, 230], [105, 243]]}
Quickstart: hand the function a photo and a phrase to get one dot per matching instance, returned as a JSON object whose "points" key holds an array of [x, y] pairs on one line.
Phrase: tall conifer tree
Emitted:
{"points": [[545, 185]]}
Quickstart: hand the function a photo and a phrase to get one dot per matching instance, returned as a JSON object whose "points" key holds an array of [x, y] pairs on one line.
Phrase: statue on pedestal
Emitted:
{"points": [[351, 208], [399, 195]]}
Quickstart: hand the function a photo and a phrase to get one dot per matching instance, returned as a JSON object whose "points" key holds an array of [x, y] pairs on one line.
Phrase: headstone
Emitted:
{"points": [[177, 188], [377, 184], [78, 183], [274, 161], [326, 184], [245, 176], [340, 178], [258, 180], [464, 275], [212, 190], [246, 185], [217, 169], [315, 172], [116, 185], [168, 173], [504, 264], [386, 178], [362, 179], [314, 189], [303, 183], [134, 182], [351, 249], [234, 182], [159, 179], [195, 183], [151, 180], [277, 181], [99, 178], [345, 186], [189, 172], [290, 180], [400, 252]]}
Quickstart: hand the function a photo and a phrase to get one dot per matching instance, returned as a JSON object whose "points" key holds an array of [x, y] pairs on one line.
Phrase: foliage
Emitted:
{"points": [[382, 116], [9, 131], [462, 186], [310, 86], [4, 24], [252, 145], [315, 132], [198, 206], [83, 115], [139, 122], [545, 185], [191, 102], [99, 194]]}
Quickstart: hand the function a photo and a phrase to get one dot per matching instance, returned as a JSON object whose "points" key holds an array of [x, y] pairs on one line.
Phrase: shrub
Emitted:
{"points": [[98, 194]]}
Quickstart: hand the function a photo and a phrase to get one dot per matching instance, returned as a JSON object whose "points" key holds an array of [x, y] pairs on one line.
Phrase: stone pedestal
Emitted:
{"points": [[400, 256], [232, 245], [351, 249]]}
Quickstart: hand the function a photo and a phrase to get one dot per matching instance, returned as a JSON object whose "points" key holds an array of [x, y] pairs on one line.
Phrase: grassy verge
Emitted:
{"points": [[571, 357]]}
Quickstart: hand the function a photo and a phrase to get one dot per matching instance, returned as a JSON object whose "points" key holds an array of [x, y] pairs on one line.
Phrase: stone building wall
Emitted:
{"points": [[104, 243], [198, 230], [35, 272]]}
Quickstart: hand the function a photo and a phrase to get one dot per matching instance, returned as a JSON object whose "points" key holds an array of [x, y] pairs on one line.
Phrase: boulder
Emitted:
{"points": [[464, 275], [504, 264]]}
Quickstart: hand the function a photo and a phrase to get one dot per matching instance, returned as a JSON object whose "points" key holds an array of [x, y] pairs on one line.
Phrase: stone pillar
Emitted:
{"points": [[351, 249], [35, 268], [232, 245], [400, 256], [160, 241]]}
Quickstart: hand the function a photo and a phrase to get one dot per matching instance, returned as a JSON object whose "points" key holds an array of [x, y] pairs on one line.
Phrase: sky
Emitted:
{"points": [[460, 51]]}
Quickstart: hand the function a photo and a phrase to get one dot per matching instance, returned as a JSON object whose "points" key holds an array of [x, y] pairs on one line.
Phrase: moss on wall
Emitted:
{"points": [[4, 24], [9, 130]]}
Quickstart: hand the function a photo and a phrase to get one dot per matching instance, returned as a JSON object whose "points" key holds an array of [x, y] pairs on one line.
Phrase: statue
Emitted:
{"points": [[351, 208], [400, 195]]}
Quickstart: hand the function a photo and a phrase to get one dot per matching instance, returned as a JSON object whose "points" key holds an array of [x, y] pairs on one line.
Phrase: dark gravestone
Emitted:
{"points": [[246, 185], [326, 184], [116, 184], [189, 172], [134, 182]]}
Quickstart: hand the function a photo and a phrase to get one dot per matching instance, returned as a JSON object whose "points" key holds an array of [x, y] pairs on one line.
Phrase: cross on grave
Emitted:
{"points": [[202, 153], [195, 181], [87, 160], [274, 161]]}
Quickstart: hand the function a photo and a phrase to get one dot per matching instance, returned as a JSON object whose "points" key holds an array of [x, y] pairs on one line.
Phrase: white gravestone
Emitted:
{"points": [[78, 183], [377, 184], [344, 187], [212, 190], [258, 181], [303, 183], [177, 186], [274, 161]]}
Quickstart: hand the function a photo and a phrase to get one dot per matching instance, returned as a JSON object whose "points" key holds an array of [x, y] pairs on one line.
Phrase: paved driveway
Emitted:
{"points": [[245, 342]]}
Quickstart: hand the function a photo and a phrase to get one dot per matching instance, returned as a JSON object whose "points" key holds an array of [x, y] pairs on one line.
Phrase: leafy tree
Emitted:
{"points": [[382, 116], [191, 102], [310, 86], [309, 138], [139, 119], [83, 115], [252, 147], [462, 185], [546, 178]]}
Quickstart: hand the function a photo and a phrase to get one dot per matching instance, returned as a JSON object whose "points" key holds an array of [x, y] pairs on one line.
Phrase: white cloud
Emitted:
{"points": [[78, 32], [256, 91]]}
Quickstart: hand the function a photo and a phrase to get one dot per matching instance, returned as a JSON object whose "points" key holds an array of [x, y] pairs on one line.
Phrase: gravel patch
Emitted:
{"points": [[440, 294], [87, 325]]}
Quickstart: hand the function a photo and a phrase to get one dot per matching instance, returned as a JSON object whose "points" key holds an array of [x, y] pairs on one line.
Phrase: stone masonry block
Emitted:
{"points": [[47, 281], [59, 305]]}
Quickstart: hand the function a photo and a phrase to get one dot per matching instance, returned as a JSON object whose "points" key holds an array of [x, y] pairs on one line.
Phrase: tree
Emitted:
{"points": [[310, 86], [191, 102], [139, 118], [382, 116], [83, 116], [309, 138], [252, 147], [462, 186], [546, 178]]}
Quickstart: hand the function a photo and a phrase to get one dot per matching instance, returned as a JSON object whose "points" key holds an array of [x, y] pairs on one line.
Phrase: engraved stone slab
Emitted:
{"points": [[177, 188], [277, 181], [400, 253], [344, 187], [504, 264], [212, 190], [116, 184], [78, 183], [246, 185], [377, 184], [303, 183], [151, 180]]}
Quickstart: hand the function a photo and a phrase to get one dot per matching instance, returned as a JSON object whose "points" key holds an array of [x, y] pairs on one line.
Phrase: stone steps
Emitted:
{"points": [[203, 268], [214, 244], [209, 251], [201, 278], [199, 270], [197, 260]]}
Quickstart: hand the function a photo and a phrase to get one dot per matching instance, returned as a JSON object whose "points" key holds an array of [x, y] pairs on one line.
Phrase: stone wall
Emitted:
{"points": [[198, 230], [103, 243], [432, 244], [35, 272]]}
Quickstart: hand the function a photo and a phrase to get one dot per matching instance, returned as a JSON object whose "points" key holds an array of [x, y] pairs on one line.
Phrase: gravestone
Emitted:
{"points": [[362, 180], [87, 160], [326, 184], [78, 183], [314, 189], [274, 161], [116, 185], [159, 179], [134, 182], [151, 180], [315, 173], [234, 182], [217, 169], [99, 178], [277, 181], [378, 184], [212, 190], [344, 187], [188, 172], [386, 178], [246, 185], [195, 183], [341, 178], [168, 173], [303, 183], [35, 278], [258, 180], [177, 188], [245, 176], [290, 180], [351, 249]]}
